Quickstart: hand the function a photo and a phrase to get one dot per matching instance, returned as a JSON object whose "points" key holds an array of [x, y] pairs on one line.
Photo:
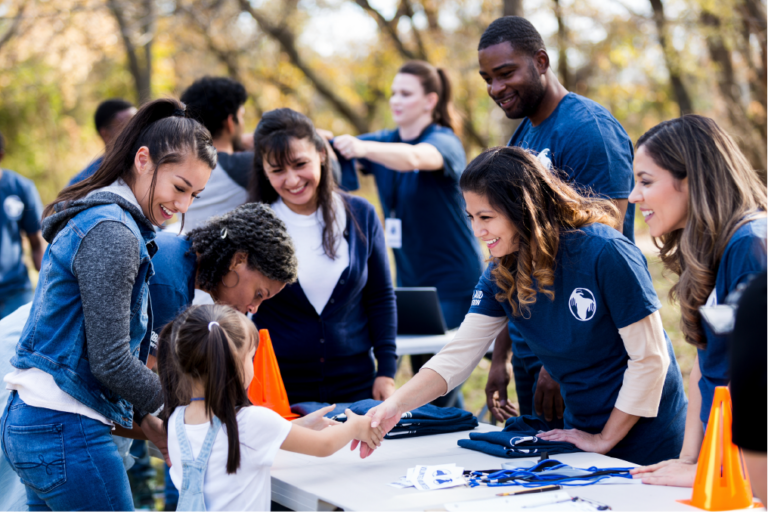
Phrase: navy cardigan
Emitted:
{"points": [[327, 357]]}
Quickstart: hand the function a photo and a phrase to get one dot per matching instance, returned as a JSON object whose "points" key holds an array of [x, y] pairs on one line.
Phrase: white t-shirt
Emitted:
{"points": [[318, 273], [261, 433]]}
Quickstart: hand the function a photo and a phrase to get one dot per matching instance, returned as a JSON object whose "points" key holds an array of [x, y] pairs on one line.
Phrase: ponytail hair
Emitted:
{"points": [[206, 343], [164, 128], [433, 80]]}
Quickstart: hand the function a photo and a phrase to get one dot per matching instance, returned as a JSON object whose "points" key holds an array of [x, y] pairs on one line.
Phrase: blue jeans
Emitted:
{"points": [[66, 461], [13, 300]]}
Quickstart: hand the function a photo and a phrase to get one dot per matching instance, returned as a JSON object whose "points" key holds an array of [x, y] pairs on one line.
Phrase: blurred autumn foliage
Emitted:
{"points": [[645, 60]]}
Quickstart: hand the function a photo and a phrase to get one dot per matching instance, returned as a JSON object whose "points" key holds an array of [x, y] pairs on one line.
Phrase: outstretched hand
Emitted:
{"points": [[384, 416], [582, 440], [317, 420]]}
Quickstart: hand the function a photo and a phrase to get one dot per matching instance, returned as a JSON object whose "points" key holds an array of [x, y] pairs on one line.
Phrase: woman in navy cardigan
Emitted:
{"points": [[343, 305]]}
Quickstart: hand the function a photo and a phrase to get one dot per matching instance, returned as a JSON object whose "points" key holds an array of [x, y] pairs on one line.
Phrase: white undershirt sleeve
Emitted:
{"points": [[646, 372], [458, 359]]}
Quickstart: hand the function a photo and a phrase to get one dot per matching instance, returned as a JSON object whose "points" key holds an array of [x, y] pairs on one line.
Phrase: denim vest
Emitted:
{"points": [[53, 339]]}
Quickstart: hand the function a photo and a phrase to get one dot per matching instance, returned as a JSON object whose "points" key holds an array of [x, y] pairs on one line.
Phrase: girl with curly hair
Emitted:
{"points": [[581, 295], [705, 206]]}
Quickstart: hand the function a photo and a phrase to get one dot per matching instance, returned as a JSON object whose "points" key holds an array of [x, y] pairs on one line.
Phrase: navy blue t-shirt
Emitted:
{"points": [[172, 288], [21, 210], [438, 247], [583, 140], [601, 284], [744, 256], [87, 172]]}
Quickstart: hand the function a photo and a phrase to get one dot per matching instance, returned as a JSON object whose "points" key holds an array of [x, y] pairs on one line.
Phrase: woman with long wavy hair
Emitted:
{"points": [[706, 208], [581, 295]]}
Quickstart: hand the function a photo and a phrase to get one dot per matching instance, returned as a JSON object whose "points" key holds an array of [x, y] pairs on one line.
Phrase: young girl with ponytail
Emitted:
{"points": [[205, 358], [80, 365]]}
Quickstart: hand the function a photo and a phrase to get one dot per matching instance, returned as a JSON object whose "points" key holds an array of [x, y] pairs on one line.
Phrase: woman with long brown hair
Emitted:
{"points": [[581, 295], [705, 206]]}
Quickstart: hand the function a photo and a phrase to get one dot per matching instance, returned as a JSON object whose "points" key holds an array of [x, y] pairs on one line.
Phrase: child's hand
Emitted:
{"points": [[316, 420], [370, 436]]}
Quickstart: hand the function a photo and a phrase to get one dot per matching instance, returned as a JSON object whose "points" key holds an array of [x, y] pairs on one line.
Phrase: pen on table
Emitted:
{"points": [[536, 490]]}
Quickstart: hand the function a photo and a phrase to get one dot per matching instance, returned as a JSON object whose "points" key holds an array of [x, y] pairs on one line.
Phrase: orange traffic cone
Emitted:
{"points": [[722, 482], [267, 388]]}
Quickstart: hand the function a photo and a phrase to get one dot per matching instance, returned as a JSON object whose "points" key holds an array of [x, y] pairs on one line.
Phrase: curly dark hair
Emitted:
{"points": [[252, 228], [517, 31], [211, 100], [107, 110]]}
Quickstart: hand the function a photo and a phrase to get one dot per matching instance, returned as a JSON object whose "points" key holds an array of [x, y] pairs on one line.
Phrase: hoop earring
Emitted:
{"points": [[233, 285]]}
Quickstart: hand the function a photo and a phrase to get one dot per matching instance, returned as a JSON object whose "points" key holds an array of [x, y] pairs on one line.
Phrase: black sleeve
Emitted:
{"points": [[749, 353]]}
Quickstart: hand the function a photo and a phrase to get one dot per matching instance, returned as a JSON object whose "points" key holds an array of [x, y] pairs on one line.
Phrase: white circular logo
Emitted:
{"points": [[14, 207], [582, 304]]}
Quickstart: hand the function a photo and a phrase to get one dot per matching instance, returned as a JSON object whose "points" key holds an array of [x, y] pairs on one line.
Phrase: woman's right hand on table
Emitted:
{"points": [[674, 472]]}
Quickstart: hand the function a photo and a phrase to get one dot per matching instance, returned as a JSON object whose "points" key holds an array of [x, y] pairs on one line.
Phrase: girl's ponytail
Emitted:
{"points": [[163, 127], [205, 343], [433, 80]]}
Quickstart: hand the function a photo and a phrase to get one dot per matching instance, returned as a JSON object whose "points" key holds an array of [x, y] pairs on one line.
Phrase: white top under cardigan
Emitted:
{"points": [[318, 273]]}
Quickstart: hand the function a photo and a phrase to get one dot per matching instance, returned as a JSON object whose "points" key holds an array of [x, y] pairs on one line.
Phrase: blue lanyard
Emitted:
{"points": [[532, 477]]}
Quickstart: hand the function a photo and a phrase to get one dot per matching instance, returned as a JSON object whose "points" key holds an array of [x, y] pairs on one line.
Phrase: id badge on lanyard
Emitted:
{"points": [[393, 232]]}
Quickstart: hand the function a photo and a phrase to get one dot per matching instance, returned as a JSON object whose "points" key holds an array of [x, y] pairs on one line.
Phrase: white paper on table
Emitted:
{"points": [[507, 503], [401, 483], [440, 476]]}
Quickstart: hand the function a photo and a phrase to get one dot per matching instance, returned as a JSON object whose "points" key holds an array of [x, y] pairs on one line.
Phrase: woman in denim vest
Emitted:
{"points": [[80, 363]]}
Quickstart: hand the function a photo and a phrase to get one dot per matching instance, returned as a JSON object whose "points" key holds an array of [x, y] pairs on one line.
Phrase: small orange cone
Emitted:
{"points": [[722, 482], [267, 388]]}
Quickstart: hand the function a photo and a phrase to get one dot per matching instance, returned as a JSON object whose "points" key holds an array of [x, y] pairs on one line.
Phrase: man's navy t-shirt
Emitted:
{"points": [[438, 247], [583, 140], [20, 210]]}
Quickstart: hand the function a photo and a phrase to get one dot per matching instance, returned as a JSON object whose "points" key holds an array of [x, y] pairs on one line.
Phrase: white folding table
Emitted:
{"points": [[346, 482]]}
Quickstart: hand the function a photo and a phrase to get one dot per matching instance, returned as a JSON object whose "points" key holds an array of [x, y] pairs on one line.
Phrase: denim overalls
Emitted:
{"points": [[193, 470]]}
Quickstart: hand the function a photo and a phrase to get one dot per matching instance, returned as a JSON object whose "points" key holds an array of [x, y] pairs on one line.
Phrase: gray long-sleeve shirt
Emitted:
{"points": [[106, 266]]}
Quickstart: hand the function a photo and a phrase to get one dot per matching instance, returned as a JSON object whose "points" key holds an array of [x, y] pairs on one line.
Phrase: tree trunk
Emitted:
{"points": [[14, 25], [671, 59], [562, 48], [140, 68], [287, 41], [512, 8], [753, 148]]}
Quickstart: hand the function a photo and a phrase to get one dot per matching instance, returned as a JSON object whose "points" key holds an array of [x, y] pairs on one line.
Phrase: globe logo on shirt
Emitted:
{"points": [[582, 304], [13, 207]]}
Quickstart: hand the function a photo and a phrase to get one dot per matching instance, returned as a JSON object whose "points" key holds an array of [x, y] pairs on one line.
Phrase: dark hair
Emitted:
{"points": [[206, 343], [724, 193], [252, 228], [540, 205], [107, 110], [162, 127], [212, 99], [517, 31], [2, 143], [433, 80], [272, 140]]}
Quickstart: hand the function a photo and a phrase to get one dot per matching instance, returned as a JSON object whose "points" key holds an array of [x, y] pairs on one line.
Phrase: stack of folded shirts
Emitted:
{"points": [[518, 439], [426, 420]]}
